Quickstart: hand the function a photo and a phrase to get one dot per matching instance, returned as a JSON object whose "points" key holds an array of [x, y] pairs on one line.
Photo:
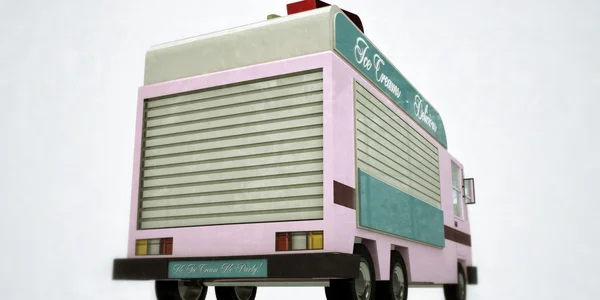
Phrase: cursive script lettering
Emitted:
{"points": [[387, 82], [360, 54], [243, 268], [240, 268], [227, 268], [422, 113]]}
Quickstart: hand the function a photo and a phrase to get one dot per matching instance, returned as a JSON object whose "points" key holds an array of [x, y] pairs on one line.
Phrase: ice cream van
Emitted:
{"points": [[292, 152]]}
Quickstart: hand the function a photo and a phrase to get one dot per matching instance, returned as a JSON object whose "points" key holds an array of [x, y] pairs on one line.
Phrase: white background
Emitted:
{"points": [[516, 83]]}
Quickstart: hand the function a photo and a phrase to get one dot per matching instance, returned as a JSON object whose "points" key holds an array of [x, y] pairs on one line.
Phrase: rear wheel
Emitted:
{"points": [[398, 278], [235, 293], [397, 287], [361, 288], [179, 290], [457, 291]]}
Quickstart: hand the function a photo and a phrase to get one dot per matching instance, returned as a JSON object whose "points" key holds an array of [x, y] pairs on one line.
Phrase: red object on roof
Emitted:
{"points": [[306, 5]]}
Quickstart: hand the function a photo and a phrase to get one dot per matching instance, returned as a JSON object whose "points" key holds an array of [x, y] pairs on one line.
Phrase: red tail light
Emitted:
{"points": [[282, 242], [166, 246]]}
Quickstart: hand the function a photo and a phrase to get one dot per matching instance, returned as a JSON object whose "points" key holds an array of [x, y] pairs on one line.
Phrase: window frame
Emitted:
{"points": [[471, 199], [459, 189]]}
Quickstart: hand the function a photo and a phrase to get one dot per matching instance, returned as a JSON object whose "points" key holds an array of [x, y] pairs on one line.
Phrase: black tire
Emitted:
{"points": [[176, 290], [235, 293], [397, 287], [457, 291], [338, 289], [347, 289]]}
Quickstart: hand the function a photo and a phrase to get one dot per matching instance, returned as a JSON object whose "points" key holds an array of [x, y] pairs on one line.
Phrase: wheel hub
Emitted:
{"points": [[243, 292], [189, 291], [363, 282], [398, 283]]}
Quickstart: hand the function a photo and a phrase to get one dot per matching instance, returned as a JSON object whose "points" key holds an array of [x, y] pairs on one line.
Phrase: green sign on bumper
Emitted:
{"points": [[253, 268]]}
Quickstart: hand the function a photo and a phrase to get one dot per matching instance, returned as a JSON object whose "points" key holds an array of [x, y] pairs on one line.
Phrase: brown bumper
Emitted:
{"points": [[282, 266]]}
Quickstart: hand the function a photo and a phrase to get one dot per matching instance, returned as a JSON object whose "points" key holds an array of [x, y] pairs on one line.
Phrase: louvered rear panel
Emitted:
{"points": [[390, 150], [244, 153]]}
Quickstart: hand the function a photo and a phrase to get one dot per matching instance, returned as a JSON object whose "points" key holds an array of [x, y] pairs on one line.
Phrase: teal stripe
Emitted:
{"points": [[385, 208], [358, 50]]}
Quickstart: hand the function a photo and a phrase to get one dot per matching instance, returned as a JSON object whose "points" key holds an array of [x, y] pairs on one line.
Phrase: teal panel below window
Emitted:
{"points": [[385, 208]]}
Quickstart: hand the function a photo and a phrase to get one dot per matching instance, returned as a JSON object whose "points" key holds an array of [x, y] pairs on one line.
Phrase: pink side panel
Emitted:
{"points": [[343, 150], [135, 181], [328, 152], [446, 186], [464, 253], [426, 263]]}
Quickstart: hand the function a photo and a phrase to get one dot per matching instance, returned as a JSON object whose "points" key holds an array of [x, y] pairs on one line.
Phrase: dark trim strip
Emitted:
{"points": [[343, 195], [140, 269], [279, 266], [422, 283], [457, 236]]}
